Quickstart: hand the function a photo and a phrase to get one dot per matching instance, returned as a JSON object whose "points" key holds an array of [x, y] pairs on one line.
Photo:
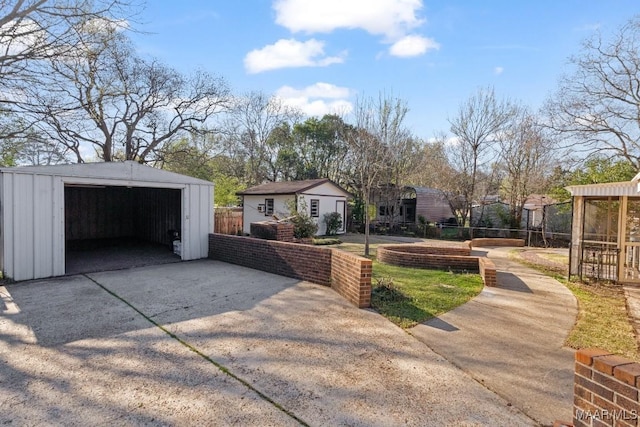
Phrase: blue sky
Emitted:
{"points": [[322, 54]]}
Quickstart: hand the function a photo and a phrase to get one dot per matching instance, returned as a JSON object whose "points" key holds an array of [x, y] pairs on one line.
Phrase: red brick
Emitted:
{"points": [[616, 386], [583, 370], [628, 373], [595, 388], [629, 405], [606, 364], [586, 355], [582, 392], [602, 422]]}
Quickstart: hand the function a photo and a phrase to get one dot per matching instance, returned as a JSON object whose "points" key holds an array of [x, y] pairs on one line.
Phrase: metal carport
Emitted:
{"points": [[35, 225]]}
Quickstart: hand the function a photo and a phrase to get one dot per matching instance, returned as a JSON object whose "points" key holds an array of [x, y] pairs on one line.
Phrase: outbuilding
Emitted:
{"points": [[605, 231], [317, 196], [45, 210]]}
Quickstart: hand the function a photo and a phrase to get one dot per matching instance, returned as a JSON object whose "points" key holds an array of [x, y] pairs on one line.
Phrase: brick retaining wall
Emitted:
{"points": [[348, 274], [351, 277], [605, 389], [438, 257], [481, 242]]}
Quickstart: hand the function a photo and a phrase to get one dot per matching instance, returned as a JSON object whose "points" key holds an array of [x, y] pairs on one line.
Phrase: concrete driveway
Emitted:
{"points": [[210, 343]]}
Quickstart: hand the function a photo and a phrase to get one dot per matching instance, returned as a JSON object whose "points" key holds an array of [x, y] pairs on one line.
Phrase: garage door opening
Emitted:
{"points": [[113, 227]]}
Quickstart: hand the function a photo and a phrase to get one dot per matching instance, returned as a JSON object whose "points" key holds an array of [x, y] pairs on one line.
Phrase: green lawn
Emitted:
{"points": [[408, 296]]}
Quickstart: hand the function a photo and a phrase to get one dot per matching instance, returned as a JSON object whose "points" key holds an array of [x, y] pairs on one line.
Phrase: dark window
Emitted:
{"points": [[268, 210], [315, 208]]}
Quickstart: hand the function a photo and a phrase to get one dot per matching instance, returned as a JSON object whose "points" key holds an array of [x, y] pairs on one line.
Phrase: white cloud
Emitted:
{"points": [[318, 99], [498, 70], [317, 90], [391, 18], [413, 45], [286, 53]]}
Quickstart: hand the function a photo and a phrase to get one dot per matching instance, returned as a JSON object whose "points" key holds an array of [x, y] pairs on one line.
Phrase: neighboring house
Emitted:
{"points": [[413, 203], [319, 196]]}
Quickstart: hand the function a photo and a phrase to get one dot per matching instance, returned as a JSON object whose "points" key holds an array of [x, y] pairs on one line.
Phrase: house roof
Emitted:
{"points": [[288, 187], [127, 170]]}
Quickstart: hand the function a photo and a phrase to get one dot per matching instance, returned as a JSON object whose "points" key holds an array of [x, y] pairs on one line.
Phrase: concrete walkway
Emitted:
{"points": [[208, 343], [510, 339], [632, 296]]}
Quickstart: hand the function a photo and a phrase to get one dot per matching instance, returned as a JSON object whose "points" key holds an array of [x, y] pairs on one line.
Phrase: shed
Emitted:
{"points": [[605, 231], [46, 209], [318, 196]]}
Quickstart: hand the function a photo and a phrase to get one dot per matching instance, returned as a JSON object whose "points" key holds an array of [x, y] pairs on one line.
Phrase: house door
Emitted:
{"points": [[341, 208]]}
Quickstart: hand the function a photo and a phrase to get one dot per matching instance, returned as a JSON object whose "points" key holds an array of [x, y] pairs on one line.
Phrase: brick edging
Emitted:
{"points": [[438, 257], [498, 241]]}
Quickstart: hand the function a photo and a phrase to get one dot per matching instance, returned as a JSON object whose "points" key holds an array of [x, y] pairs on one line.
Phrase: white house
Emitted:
{"points": [[44, 209], [319, 196]]}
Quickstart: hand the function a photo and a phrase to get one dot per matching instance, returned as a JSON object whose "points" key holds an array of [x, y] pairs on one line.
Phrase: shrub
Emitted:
{"points": [[333, 220], [303, 225]]}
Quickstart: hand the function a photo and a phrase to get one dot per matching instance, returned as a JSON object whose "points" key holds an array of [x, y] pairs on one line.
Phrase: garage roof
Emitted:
{"points": [[127, 170]]}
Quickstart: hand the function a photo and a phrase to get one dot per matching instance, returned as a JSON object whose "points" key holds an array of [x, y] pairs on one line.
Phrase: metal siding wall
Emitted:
{"points": [[58, 231], [23, 217], [197, 221], [206, 218], [7, 224], [43, 217], [157, 212], [186, 223]]}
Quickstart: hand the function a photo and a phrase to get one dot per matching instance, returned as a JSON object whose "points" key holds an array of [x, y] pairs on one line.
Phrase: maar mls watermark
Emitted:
{"points": [[606, 414]]}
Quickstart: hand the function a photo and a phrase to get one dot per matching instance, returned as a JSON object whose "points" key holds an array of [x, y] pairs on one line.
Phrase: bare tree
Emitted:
{"points": [[526, 161], [103, 95], [252, 120], [32, 31], [596, 107], [378, 128], [476, 126]]}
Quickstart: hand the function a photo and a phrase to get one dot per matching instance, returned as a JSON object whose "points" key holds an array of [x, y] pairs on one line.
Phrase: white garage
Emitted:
{"points": [[47, 210]]}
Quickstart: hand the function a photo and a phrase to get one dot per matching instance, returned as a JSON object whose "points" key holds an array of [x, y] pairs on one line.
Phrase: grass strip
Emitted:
{"points": [[218, 365]]}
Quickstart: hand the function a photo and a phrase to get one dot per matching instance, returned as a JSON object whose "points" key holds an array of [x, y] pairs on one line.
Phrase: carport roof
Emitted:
{"points": [[127, 170]]}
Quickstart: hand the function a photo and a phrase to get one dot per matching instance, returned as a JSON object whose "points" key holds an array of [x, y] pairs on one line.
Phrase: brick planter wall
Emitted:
{"points": [[605, 389], [282, 232], [442, 258], [347, 274], [437, 257], [480, 242], [488, 271]]}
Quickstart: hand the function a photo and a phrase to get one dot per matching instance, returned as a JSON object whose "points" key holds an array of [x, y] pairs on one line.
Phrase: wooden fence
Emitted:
{"points": [[228, 221]]}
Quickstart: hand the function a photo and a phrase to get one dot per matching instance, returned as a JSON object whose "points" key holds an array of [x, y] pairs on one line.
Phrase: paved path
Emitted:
{"points": [[208, 343], [510, 339], [632, 295]]}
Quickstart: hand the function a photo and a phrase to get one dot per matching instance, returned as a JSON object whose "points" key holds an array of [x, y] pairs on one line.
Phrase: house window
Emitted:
{"points": [[268, 207], [315, 208]]}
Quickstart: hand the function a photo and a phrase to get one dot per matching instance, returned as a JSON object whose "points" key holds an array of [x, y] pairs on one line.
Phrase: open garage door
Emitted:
{"points": [[115, 227]]}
